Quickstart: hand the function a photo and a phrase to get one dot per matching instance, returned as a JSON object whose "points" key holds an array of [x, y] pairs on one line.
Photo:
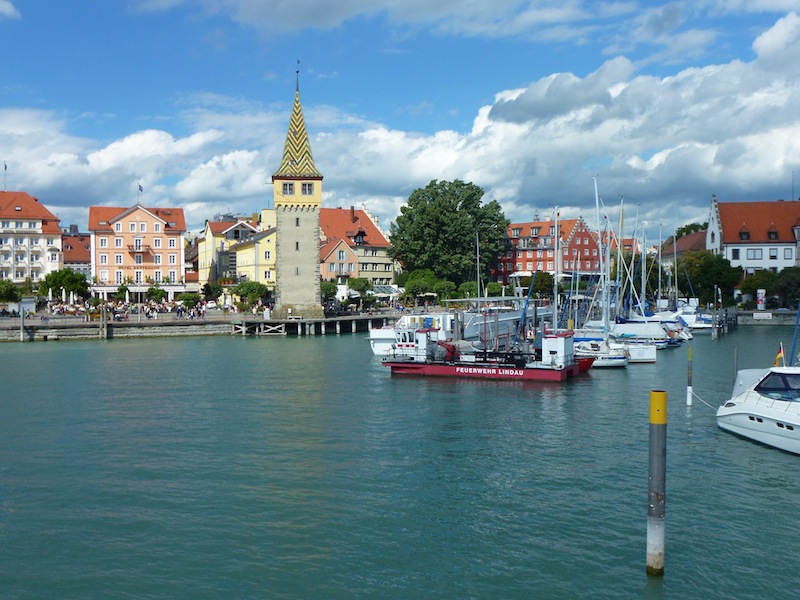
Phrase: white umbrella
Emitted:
{"points": [[63, 295]]}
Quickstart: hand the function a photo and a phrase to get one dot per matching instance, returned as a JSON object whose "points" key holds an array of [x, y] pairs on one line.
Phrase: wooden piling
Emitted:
{"points": [[656, 492]]}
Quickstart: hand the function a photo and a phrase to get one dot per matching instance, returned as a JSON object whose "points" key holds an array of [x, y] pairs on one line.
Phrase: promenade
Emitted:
{"points": [[215, 322]]}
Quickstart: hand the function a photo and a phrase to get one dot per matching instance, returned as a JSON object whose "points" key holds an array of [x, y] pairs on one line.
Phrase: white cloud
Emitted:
{"points": [[8, 10]]}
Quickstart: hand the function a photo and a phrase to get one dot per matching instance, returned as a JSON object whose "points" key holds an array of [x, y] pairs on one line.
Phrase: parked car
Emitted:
{"points": [[211, 304]]}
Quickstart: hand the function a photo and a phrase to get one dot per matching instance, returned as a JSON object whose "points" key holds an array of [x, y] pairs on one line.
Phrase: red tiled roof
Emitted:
{"points": [[342, 224], [758, 219], [219, 227], [687, 243], [76, 248], [108, 214], [21, 205], [565, 227]]}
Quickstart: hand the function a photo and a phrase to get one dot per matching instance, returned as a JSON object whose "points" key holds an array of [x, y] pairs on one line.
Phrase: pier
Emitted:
{"points": [[35, 329]]}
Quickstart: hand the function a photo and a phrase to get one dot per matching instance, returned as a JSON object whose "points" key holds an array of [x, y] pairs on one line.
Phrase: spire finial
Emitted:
{"points": [[297, 77]]}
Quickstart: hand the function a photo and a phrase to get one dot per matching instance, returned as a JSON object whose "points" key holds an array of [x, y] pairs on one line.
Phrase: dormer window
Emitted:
{"points": [[744, 235], [773, 235]]}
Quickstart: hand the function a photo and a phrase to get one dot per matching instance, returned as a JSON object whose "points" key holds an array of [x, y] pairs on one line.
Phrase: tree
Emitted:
{"points": [[189, 299], [420, 282], [327, 290], [760, 280], [155, 293], [788, 286], [702, 270], [9, 292], [122, 293], [437, 230], [251, 292], [67, 279], [359, 284], [690, 228], [212, 291]]}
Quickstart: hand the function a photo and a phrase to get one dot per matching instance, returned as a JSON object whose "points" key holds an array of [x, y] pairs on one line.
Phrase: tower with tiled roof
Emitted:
{"points": [[297, 197]]}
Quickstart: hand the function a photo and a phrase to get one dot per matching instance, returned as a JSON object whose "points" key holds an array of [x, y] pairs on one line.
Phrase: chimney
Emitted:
{"points": [[352, 214]]}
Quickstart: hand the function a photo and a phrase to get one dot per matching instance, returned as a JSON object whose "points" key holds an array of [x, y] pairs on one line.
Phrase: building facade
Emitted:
{"points": [[297, 198], [353, 245], [755, 235], [30, 239], [216, 257], [531, 247], [137, 247]]}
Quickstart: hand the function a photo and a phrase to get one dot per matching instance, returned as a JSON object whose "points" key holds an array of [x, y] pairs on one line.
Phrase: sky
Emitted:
{"points": [[664, 104]]}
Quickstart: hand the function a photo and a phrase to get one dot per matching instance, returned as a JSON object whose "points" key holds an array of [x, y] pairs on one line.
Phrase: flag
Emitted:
{"points": [[779, 357], [5, 166], [141, 189]]}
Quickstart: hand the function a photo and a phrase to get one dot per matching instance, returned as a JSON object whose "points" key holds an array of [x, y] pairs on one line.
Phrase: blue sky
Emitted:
{"points": [[666, 103]]}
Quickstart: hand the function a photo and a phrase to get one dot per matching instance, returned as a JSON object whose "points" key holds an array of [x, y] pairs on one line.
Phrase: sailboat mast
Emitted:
{"points": [[603, 262], [555, 278]]}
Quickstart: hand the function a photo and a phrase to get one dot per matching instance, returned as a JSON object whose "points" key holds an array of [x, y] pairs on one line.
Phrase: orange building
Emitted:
{"points": [[137, 247]]}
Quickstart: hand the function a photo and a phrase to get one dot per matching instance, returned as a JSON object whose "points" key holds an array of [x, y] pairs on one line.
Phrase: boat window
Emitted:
{"points": [[780, 386]]}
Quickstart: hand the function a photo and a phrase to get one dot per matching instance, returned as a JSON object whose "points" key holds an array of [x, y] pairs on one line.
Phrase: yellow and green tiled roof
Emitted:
{"points": [[297, 161]]}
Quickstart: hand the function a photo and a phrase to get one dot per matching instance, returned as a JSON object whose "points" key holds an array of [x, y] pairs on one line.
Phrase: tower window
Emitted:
{"points": [[297, 245], [288, 189], [297, 222], [307, 189]]}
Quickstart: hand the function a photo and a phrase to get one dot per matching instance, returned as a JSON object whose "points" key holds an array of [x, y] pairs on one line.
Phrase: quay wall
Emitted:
{"points": [[34, 330]]}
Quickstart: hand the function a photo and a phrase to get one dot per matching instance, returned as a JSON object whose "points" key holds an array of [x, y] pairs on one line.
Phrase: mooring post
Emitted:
{"points": [[656, 488], [689, 385]]}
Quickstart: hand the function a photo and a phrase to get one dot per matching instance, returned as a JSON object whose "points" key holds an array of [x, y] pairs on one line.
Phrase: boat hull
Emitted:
{"points": [[765, 413], [482, 371]]}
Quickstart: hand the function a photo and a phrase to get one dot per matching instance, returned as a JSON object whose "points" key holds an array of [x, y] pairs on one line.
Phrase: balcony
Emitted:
{"points": [[143, 249]]}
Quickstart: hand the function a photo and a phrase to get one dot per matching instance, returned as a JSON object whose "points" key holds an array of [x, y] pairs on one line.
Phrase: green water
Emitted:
{"points": [[232, 467]]}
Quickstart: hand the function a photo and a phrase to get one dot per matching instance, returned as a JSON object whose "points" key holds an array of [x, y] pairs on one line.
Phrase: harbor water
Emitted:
{"points": [[231, 467]]}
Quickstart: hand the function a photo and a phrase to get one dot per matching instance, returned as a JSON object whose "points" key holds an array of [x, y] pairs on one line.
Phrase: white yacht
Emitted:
{"points": [[765, 407]]}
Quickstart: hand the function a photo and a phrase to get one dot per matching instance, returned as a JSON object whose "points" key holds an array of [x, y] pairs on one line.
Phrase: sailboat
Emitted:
{"points": [[605, 353]]}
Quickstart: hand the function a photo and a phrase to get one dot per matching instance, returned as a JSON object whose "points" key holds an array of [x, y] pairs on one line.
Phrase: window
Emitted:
{"points": [[104, 259], [142, 227], [132, 227], [578, 241], [744, 235], [157, 259], [157, 227], [137, 276], [157, 274], [267, 255], [518, 266], [118, 276], [754, 254], [103, 242], [773, 254], [340, 255], [529, 266], [118, 227], [118, 242], [53, 257], [137, 243], [787, 254], [156, 242], [515, 232], [288, 189], [173, 259], [734, 254], [307, 189], [173, 276], [297, 222], [137, 258], [773, 235], [172, 243], [267, 275], [118, 259], [297, 245]]}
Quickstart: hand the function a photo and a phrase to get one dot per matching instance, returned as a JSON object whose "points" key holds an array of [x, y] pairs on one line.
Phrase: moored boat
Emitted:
{"points": [[765, 407], [555, 362]]}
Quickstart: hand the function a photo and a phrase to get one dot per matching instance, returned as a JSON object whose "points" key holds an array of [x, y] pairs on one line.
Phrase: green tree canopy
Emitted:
{"points": [[690, 228], [360, 284], [68, 279], [212, 291], [121, 293], [788, 286], [155, 293], [420, 281], [760, 280], [251, 292], [700, 271], [9, 292], [327, 290], [437, 230]]}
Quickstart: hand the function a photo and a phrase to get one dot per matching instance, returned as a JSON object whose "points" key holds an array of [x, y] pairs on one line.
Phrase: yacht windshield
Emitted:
{"points": [[780, 386]]}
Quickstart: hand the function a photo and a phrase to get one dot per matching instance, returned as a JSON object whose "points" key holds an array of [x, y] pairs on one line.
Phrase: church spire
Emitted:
{"points": [[297, 161]]}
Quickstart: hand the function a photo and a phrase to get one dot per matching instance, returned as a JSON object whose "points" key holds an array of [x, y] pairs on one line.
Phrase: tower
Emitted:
{"points": [[297, 197]]}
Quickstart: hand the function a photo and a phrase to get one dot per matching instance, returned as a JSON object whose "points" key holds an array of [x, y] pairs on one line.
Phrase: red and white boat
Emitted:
{"points": [[554, 362]]}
